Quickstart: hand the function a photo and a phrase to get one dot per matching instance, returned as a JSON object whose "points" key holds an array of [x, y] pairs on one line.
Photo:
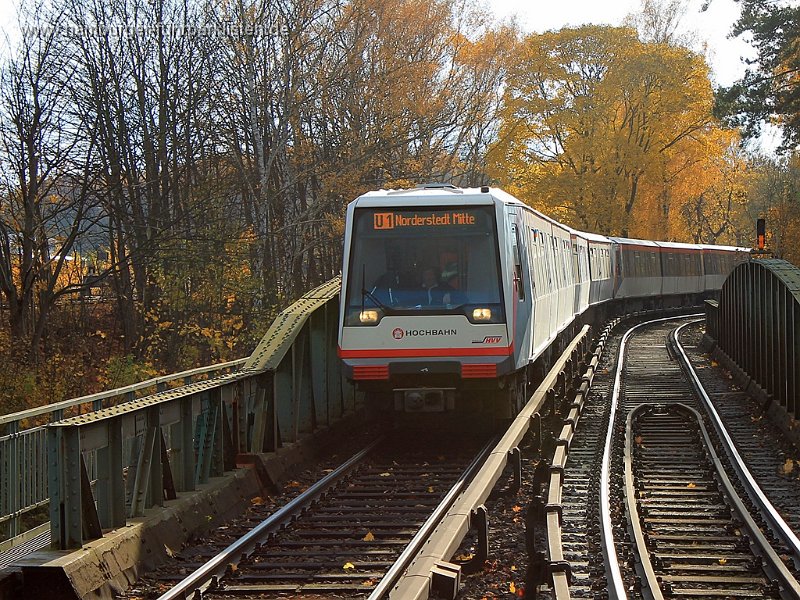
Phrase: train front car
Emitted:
{"points": [[423, 321]]}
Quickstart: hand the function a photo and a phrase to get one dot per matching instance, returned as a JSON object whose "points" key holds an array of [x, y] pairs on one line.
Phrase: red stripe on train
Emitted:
{"points": [[424, 352]]}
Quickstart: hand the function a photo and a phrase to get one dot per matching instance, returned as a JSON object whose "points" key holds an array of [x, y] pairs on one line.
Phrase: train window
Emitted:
{"points": [[430, 260], [536, 263], [518, 282]]}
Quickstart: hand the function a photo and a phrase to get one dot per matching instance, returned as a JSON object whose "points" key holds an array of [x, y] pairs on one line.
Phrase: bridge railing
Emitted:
{"points": [[758, 327], [112, 464], [23, 443]]}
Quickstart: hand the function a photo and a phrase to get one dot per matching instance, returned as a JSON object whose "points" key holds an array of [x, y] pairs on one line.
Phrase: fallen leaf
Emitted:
{"points": [[788, 466], [464, 557], [386, 474], [691, 485], [232, 568], [516, 508], [257, 501], [512, 588], [638, 439], [430, 489], [513, 567], [348, 566], [169, 551], [722, 561], [368, 582], [369, 537], [293, 484], [714, 363]]}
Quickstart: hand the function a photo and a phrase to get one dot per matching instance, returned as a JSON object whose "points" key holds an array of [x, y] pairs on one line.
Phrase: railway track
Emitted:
{"points": [[580, 536], [342, 536], [649, 380], [764, 448], [649, 375], [692, 533], [383, 523]]}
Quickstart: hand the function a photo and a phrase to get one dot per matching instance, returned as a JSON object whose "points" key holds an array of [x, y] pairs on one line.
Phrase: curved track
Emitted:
{"points": [[649, 379], [692, 533]]}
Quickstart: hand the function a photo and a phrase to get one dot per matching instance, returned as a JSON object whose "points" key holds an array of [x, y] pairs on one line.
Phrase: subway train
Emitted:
{"points": [[457, 299]]}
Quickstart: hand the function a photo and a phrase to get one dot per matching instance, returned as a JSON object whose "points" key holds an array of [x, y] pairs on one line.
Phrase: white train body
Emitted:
{"points": [[447, 289]]}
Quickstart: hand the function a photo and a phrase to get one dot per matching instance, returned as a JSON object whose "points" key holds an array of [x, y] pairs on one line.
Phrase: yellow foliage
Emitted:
{"points": [[611, 134]]}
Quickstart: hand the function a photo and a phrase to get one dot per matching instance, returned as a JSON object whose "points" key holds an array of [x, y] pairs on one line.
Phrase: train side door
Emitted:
{"points": [[522, 291]]}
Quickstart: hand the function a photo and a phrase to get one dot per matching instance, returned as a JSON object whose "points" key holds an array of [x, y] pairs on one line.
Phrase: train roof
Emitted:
{"points": [[635, 242], [435, 194], [678, 245], [724, 248], [595, 237]]}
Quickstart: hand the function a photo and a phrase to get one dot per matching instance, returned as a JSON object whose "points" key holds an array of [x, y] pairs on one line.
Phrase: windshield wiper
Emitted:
{"points": [[365, 293]]}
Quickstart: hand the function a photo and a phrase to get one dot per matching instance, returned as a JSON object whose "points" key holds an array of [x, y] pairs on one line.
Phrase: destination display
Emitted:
{"points": [[460, 218]]}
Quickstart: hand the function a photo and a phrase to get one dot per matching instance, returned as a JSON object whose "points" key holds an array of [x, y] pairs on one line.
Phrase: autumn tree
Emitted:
{"points": [[773, 192], [222, 141], [769, 91], [48, 206], [658, 21], [596, 126], [143, 79]]}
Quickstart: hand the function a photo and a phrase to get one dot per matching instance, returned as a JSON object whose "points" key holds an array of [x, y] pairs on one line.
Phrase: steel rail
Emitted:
{"points": [[215, 568], [406, 556], [616, 587], [773, 562], [444, 541], [776, 522], [555, 489], [634, 522]]}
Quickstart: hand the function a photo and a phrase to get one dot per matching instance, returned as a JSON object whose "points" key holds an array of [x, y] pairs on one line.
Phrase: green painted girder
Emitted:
{"points": [[286, 327]]}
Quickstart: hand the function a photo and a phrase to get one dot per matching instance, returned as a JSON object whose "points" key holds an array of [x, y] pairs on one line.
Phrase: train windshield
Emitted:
{"points": [[422, 260]]}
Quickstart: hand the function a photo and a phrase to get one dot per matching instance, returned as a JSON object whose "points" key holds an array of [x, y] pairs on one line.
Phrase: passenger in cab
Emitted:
{"points": [[432, 294], [385, 289], [449, 286]]}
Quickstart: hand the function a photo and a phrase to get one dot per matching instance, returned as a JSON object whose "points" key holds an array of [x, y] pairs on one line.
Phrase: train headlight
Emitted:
{"points": [[482, 314], [369, 317]]}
